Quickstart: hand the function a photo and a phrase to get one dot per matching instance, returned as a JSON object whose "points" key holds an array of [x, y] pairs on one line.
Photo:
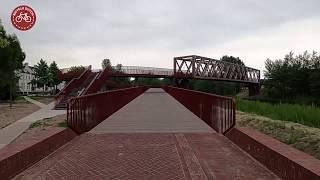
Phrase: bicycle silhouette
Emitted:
{"points": [[23, 16]]}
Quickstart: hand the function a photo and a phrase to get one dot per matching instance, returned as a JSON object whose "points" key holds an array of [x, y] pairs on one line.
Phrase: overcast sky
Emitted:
{"points": [[151, 33]]}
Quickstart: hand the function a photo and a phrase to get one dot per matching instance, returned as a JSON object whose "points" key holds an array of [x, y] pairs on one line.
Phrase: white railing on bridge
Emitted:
{"points": [[146, 70]]}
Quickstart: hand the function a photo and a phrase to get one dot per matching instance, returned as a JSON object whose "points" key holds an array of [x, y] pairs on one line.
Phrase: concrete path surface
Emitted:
{"points": [[153, 111], [40, 104], [152, 137], [9, 133]]}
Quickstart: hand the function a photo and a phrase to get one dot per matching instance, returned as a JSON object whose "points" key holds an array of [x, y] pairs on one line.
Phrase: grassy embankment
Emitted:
{"points": [[295, 125], [302, 114]]}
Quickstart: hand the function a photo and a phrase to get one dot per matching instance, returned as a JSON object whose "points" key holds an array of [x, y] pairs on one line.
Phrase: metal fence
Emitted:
{"points": [[85, 112], [217, 111]]}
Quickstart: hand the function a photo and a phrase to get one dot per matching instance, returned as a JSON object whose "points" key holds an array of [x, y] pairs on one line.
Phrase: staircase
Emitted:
{"points": [[98, 82], [75, 91]]}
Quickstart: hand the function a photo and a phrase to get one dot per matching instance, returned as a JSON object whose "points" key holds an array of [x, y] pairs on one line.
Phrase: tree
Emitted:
{"points": [[293, 76], [3, 40], [106, 64], [42, 73], [12, 58], [230, 88], [73, 72], [231, 59], [118, 67], [54, 73], [314, 81], [314, 74], [148, 81]]}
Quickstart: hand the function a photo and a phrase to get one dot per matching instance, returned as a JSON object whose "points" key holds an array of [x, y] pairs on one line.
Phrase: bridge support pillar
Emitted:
{"points": [[254, 89], [182, 83]]}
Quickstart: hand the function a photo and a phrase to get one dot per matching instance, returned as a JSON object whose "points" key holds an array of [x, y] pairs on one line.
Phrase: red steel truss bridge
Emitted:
{"points": [[197, 67], [184, 69]]}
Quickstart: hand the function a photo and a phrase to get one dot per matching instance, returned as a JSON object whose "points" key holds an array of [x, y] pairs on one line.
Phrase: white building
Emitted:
{"points": [[25, 78], [26, 75]]}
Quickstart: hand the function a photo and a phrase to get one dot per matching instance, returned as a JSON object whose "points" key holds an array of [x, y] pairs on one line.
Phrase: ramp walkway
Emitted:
{"points": [[154, 111], [152, 137]]}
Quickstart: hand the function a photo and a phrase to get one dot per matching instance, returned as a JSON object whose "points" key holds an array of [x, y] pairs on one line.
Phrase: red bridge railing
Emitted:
{"points": [[85, 112], [98, 81], [217, 111], [71, 85]]}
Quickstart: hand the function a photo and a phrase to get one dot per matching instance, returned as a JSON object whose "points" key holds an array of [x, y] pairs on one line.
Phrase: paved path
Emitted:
{"points": [[40, 104], [9, 133], [154, 111], [159, 150]]}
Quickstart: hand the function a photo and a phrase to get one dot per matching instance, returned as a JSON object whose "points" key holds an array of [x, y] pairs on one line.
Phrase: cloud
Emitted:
{"points": [[151, 33], [275, 42]]}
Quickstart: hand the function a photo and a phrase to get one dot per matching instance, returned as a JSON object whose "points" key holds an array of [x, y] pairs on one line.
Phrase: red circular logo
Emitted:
{"points": [[23, 17]]}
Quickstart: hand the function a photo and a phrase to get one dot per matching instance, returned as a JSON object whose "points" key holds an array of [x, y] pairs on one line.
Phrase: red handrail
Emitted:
{"points": [[217, 111], [84, 92], [85, 112], [71, 85], [98, 81]]}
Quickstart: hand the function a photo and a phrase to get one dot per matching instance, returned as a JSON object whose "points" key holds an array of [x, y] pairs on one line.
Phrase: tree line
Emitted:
{"points": [[295, 77], [49, 75], [46, 75]]}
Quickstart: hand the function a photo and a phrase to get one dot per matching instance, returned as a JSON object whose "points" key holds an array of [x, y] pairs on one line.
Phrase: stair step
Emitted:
{"points": [[74, 92]]}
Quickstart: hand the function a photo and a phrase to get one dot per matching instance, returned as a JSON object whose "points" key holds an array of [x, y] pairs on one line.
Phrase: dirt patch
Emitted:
{"points": [[42, 125], [57, 121], [19, 110], [46, 100], [304, 138]]}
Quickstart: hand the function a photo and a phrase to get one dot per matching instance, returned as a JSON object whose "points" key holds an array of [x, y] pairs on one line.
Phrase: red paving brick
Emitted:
{"points": [[148, 156]]}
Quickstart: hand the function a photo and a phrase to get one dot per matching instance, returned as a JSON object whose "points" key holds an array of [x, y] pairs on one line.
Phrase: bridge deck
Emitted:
{"points": [[153, 111], [144, 141]]}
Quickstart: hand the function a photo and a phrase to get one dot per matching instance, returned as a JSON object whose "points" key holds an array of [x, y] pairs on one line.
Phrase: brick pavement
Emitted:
{"points": [[148, 156]]}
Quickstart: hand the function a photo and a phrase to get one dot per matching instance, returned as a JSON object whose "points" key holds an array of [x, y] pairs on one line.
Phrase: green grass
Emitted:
{"points": [[21, 99], [304, 138], [46, 123], [40, 97], [36, 124], [303, 114], [63, 124]]}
